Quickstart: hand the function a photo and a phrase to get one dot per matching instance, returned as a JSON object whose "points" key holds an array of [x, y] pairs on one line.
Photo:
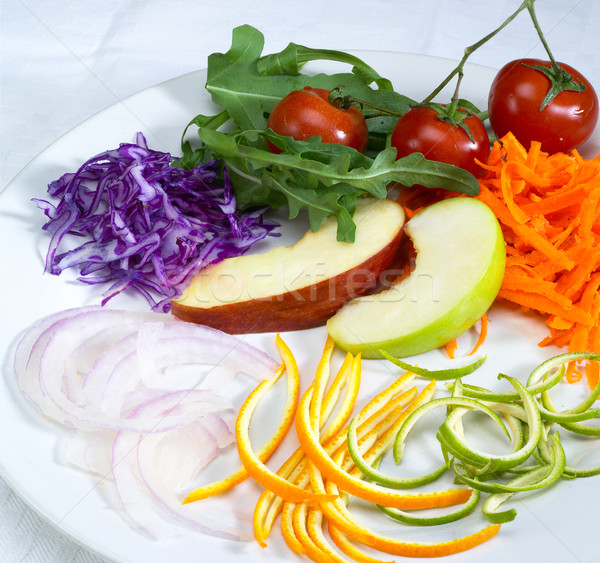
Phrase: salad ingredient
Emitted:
{"points": [[417, 520], [376, 425], [529, 416], [145, 486], [459, 268], [348, 547], [132, 350], [437, 374], [248, 84], [452, 345], [373, 474], [539, 100], [427, 129], [548, 207], [255, 467], [145, 224], [309, 113], [322, 462], [140, 418], [537, 456], [295, 468], [267, 449], [351, 526], [543, 101], [324, 178], [454, 443], [298, 286], [483, 327]]}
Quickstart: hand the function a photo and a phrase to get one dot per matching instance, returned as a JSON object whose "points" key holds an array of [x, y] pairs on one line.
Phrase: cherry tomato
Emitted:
{"points": [[308, 113], [516, 96], [421, 130]]}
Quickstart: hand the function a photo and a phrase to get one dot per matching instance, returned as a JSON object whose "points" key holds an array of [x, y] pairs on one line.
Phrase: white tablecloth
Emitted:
{"points": [[63, 61]]}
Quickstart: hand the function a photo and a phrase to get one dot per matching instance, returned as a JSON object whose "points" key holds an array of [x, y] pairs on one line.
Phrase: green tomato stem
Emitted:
{"points": [[472, 48], [532, 14]]}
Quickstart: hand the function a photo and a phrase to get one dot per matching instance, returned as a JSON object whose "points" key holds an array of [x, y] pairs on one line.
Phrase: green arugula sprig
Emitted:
{"points": [[325, 179]]}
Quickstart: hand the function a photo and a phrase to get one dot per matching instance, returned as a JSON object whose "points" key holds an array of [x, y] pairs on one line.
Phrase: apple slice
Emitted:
{"points": [[460, 260], [298, 286]]}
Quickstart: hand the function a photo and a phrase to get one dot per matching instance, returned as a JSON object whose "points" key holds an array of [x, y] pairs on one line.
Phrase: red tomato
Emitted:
{"points": [[515, 99], [421, 130], [308, 113]]}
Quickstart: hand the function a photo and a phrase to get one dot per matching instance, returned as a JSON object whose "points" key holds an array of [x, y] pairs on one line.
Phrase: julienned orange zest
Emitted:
{"points": [[307, 497], [295, 469], [267, 449], [370, 492], [548, 206], [254, 466]]}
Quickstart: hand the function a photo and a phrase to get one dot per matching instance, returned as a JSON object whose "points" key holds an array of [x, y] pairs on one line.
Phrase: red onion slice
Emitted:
{"points": [[46, 375], [136, 467], [110, 375]]}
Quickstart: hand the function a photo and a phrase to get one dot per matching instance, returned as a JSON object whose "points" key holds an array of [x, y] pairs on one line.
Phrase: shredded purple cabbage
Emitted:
{"points": [[150, 225]]}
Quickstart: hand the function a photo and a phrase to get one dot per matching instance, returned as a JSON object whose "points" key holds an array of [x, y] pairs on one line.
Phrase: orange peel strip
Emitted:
{"points": [[391, 399], [389, 427], [287, 529], [269, 505], [340, 517], [254, 466], [314, 526], [371, 431], [367, 491], [265, 451], [313, 550], [344, 544]]}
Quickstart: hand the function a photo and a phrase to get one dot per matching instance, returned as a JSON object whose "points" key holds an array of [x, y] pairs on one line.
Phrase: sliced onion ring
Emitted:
{"points": [[108, 374]]}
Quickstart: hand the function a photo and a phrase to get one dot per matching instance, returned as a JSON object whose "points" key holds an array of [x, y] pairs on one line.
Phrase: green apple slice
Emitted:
{"points": [[460, 260]]}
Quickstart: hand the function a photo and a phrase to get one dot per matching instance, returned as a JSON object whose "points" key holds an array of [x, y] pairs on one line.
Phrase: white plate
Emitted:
{"points": [[553, 526]]}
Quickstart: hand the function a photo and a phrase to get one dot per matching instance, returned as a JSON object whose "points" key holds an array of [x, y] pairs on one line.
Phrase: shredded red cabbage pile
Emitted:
{"points": [[149, 225]]}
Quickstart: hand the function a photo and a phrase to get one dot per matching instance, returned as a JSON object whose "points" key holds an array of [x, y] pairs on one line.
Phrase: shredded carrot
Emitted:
{"points": [[451, 348], [573, 375], [549, 208], [592, 373], [482, 334]]}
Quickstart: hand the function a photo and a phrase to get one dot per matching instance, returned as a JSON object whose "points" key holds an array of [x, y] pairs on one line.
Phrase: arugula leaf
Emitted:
{"points": [[333, 163], [320, 201], [248, 86], [320, 176], [294, 57]]}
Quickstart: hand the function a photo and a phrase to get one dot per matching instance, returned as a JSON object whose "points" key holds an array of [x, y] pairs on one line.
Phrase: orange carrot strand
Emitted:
{"points": [[482, 334]]}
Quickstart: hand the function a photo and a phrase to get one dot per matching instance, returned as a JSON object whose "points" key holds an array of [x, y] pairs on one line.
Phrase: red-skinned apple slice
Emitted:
{"points": [[460, 260], [299, 286]]}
